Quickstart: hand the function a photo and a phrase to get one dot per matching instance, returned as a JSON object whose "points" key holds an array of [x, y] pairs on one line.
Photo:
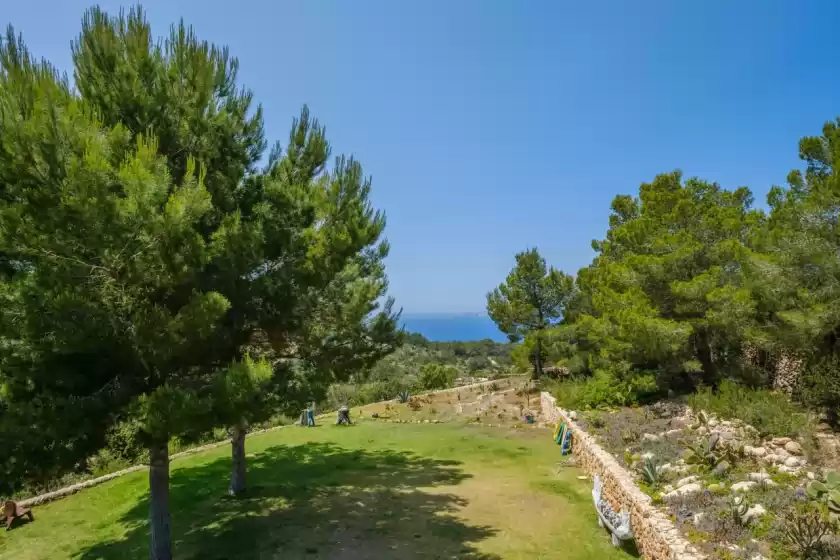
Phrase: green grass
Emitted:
{"points": [[374, 490]]}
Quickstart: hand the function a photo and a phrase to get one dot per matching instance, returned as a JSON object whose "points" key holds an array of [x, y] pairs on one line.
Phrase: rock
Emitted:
{"points": [[757, 451], [792, 462], [650, 437], [726, 436], [810, 475], [755, 511], [726, 423], [793, 448], [788, 470], [667, 467], [772, 458], [427, 421], [572, 415], [698, 517], [702, 430], [668, 488], [744, 486], [782, 454], [781, 441], [721, 468], [713, 422], [692, 488], [672, 433], [687, 480], [759, 476], [678, 423]]}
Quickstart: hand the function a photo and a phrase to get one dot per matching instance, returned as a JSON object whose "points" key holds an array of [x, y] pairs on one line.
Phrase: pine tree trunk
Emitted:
{"points": [[237, 473], [538, 359], [704, 355], [160, 545]]}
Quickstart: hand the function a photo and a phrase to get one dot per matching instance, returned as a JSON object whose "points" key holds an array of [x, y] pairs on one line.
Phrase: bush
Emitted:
{"points": [[770, 413], [605, 390], [436, 376], [819, 388]]}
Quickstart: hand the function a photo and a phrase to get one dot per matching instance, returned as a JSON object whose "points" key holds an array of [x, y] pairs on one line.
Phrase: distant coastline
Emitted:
{"points": [[444, 327]]}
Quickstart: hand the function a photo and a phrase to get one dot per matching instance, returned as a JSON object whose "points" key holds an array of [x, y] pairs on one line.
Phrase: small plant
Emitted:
{"points": [[827, 492], [804, 528], [709, 453], [651, 471], [738, 508], [702, 420], [403, 396], [596, 419]]}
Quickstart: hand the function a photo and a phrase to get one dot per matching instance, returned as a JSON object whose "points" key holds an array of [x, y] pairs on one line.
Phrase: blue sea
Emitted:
{"points": [[448, 327]]}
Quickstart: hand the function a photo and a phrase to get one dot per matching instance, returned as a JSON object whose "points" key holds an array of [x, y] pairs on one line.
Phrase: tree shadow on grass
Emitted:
{"points": [[312, 501]]}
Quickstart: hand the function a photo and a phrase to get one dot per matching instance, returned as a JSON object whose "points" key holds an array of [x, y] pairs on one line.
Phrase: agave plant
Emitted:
{"points": [[403, 396], [827, 492], [651, 471]]}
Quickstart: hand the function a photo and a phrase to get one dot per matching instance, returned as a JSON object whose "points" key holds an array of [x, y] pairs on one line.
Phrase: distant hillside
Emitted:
{"points": [[451, 327]]}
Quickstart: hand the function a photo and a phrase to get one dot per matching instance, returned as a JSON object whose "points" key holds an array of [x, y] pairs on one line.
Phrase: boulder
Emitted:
{"points": [[792, 462], [687, 480], [782, 441], [754, 512], [793, 448], [759, 476], [744, 486], [650, 437], [726, 436], [756, 451], [692, 488]]}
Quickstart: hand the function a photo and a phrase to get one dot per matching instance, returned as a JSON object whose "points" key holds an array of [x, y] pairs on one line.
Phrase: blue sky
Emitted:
{"points": [[493, 126]]}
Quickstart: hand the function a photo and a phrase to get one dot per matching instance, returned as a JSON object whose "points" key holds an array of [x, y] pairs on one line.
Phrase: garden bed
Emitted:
{"points": [[731, 490]]}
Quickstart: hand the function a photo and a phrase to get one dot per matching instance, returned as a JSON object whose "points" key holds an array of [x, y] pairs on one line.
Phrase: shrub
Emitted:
{"points": [[819, 387], [436, 376], [768, 412], [605, 390]]}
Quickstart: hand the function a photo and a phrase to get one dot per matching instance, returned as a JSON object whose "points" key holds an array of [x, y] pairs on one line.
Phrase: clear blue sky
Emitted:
{"points": [[492, 126]]}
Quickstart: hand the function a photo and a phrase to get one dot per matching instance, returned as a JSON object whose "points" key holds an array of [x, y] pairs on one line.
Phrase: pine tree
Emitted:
{"points": [[532, 298]]}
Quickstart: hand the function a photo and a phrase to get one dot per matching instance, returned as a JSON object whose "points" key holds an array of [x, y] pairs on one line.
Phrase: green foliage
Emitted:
{"points": [[738, 507], [604, 390], [403, 396], [768, 412], [804, 528], [651, 471], [531, 299], [436, 376], [827, 492], [819, 387]]}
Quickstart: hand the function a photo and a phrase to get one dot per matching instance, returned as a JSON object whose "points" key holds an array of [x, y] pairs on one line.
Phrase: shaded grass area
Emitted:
{"points": [[367, 491]]}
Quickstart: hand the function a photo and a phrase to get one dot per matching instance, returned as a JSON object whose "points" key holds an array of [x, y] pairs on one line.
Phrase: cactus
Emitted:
{"points": [[738, 508], [711, 452], [651, 471], [403, 396], [827, 492]]}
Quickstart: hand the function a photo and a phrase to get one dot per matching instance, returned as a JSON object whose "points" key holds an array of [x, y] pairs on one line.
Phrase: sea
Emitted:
{"points": [[443, 327]]}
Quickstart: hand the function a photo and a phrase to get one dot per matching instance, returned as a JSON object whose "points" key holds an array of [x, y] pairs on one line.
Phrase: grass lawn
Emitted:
{"points": [[371, 491]]}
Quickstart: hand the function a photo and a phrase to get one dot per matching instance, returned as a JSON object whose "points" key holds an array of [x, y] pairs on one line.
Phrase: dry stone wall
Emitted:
{"points": [[72, 489], [656, 536]]}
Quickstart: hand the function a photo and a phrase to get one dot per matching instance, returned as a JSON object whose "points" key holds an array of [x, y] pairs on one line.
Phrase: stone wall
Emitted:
{"points": [[73, 488], [656, 536]]}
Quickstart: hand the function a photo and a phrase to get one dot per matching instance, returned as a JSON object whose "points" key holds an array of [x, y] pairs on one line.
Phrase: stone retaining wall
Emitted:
{"points": [[73, 488], [656, 536]]}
